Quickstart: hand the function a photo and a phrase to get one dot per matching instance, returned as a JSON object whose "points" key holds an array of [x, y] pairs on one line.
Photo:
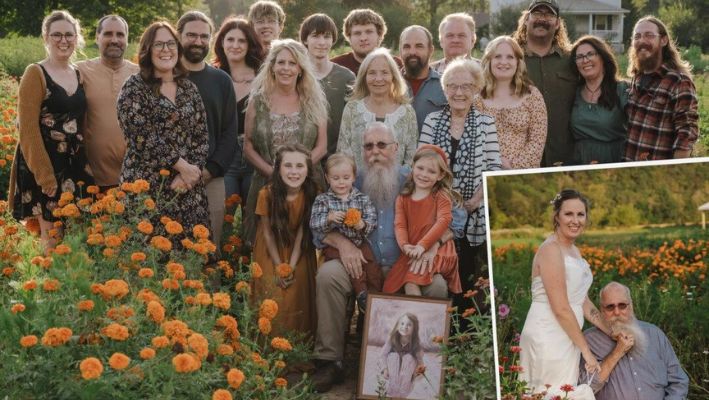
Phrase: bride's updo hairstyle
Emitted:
{"points": [[561, 197]]}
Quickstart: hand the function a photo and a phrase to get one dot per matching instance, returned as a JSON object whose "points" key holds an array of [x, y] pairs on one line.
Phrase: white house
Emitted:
{"points": [[602, 18]]}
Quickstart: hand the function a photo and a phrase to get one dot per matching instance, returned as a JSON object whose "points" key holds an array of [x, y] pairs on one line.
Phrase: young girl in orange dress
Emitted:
{"points": [[423, 213], [283, 246]]}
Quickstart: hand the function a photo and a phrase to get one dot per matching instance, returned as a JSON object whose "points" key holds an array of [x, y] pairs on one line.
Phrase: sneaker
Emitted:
{"points": [[362, 302], [330, 373]]}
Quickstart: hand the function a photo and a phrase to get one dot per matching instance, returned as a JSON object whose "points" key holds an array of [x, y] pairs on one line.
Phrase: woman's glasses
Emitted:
{"points": [[171, 45], [587, 57], [57, 37], [611, 307]]}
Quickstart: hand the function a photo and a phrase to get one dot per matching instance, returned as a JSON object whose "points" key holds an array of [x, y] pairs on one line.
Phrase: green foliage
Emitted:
{"points": [[505, 21]]}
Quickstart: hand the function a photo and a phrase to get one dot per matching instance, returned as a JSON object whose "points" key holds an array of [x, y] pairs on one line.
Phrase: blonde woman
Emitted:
{"points": [[518, 107], [379, 94], [286, 106]]}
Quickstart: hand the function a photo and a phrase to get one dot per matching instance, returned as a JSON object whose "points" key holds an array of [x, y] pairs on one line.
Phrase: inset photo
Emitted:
{"points": [[599, 277]]}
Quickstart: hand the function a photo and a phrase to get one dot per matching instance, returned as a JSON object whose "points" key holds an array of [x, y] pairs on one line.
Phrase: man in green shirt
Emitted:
{"points": [[542, 35]]}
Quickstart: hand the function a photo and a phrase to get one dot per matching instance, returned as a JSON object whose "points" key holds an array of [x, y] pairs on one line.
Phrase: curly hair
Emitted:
{"points": [[399, 90], [313, 103], [670, 54], [254, 52], [278, 207], [521, 84], [364, 16], [609, 86], [561, 36]]}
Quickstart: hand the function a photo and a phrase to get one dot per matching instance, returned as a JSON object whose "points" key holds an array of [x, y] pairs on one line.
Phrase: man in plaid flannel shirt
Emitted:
{"points": [[662, 106]]}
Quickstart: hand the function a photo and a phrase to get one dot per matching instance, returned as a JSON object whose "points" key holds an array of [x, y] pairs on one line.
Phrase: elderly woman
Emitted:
{"points": [[518, 107], [287, 106], [598, 120], [469, 138], [165, 125], [51, 158], [380, 94]]}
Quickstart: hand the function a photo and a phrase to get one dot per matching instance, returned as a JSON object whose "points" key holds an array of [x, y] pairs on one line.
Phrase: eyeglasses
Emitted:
{"points": [[588, 56], [611, 307], [192, 37], [466, 87], [645, 35], [57, 37], [542, 15], [160, 46], [380, 145], [269, 21]]}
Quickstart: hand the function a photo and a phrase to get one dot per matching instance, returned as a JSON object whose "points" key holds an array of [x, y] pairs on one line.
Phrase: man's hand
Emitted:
{"points": [[625, 342], [351, 258]]}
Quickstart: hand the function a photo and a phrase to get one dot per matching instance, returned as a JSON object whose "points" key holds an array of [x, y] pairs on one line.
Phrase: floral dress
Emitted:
{"points": [[59, 118], [158, 133]]}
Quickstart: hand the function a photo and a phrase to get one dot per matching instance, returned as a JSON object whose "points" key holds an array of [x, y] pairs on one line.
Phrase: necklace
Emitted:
{"points": [[593, 92], [245, 80]]}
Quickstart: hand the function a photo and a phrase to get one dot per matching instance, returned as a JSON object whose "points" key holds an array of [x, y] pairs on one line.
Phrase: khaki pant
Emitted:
{"points": [[216, 194], [332, 290]]}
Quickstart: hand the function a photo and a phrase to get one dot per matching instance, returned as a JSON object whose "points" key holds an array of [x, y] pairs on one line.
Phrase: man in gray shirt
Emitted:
{"points": [[639, 363]]}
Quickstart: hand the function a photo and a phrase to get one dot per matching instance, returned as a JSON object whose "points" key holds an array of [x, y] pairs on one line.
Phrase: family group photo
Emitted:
{"points": [[286, 199]]}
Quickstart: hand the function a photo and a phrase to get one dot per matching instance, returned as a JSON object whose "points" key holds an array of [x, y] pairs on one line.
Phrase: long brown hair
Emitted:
{"points": [[670, 54], [444, 186], [395, 336], [277, 206], [254, 53], [521, 84], [609, 93], [145, 61], [561, 37]]}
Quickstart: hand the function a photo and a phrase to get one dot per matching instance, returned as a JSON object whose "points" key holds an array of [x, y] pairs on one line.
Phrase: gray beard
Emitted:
{"points": [[633, 328], [381, 184]]}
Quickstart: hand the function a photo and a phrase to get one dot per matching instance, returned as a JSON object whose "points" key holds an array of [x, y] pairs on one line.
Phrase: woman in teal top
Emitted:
{"points": [[598, 119]]}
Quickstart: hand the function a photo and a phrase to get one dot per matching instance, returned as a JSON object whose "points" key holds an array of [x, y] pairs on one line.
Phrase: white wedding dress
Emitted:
{"points": [[548, 356]]}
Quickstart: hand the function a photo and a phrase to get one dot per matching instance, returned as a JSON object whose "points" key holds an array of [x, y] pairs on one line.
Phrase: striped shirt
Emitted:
{"points": [[662, 115]]}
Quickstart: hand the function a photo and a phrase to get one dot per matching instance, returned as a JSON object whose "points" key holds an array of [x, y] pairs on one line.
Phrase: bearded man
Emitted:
{"points": [[662, 107], [637, 361], [415, 49], [217, 92]]}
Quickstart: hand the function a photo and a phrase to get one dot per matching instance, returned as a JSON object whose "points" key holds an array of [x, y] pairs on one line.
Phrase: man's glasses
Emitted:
{"points": [[611, 307], [588, 56], [380, 145], [542, 15], [645, 35], [57, 37], [192, 37], [171, 45]]}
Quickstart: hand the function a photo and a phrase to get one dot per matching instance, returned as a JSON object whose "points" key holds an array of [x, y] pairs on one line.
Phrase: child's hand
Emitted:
{"points": [[336, 217], [416, 251], [360, 225]]}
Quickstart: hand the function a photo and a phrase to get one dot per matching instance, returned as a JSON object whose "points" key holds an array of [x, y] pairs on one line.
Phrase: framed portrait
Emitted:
{"points": [[401, 354]]}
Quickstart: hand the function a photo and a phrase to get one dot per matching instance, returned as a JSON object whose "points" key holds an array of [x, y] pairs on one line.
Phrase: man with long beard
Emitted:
{"points": [[638, 362], [662, 106], [415, 49], [217, 92], [381, 181]]}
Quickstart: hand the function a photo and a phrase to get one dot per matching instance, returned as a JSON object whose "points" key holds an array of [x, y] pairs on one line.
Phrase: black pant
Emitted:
{"points": [[472, 264]]}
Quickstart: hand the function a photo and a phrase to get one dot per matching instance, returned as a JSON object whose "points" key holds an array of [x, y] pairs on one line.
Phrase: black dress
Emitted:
{"points": [[59, 119]]}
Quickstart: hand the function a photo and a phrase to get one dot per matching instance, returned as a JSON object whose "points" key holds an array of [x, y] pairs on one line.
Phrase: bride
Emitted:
{"points": [[551, 339]]}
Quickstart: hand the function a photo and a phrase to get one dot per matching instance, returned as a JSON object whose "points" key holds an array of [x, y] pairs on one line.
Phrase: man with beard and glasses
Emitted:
{"points": [[217, 92], [103, 78], [381, 180], [415, 49], [662, 106], [541, 32], [456, 33], [638, 362], [364, 29]]}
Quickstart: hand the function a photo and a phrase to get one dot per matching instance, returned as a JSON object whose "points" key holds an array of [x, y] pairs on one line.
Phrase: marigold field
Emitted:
{"points": [[665, 270]]}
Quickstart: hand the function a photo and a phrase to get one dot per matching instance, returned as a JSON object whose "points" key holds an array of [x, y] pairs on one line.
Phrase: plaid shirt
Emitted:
{"points": [[662, 115], [329, 201]]}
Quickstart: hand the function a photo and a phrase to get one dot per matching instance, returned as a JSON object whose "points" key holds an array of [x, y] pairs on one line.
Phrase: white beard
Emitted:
{"points": [[632, 327], [381, 184]]}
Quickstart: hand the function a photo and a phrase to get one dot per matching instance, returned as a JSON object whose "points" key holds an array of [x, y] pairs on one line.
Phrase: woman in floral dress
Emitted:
{"points": [[164, 122]]}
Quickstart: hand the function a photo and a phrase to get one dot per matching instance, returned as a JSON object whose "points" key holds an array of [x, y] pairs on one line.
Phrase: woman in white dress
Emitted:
{"points": [[551, 339]]}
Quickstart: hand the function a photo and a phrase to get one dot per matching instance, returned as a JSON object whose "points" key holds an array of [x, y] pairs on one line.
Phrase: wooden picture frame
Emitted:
{"points": [[381, 336]]}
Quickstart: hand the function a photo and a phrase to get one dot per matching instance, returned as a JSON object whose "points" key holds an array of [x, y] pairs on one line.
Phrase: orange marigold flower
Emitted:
{"points": [[187, 243], [264, 325], [186, 362], [32, 225], [138, 256], [225, 350], [352, 217], [65, 198], [30, 285], [242, 287], [280, 382], [114, 288], [280, 364], [116, 331], [199, 231], [173, 228], [28, 341], [51, 285], [165, 219], [437, 339], [173, 267], [468, 312], [62, 249], [91, 368], [7, 271], [141, 185], [268, 309], [203, 299], [470, 293], [112, 240], [170, 284], [199, 344], [10, 230], [147, 353], [175, 327], [281, 344], [161, 243], [230, 326], [119, 361], [160, 342], [232, 200], [86, 305], [146, 295], [284, 270], [221, 300], [70, 210], [92, 189], [221, 394], [108, 252], [164, 172], [54, 337], [235, 377], [145, 273], [155, 311], [256, 271], [149, 204], [229, 219], [145, 227], [17, 308], [95, 239]]}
